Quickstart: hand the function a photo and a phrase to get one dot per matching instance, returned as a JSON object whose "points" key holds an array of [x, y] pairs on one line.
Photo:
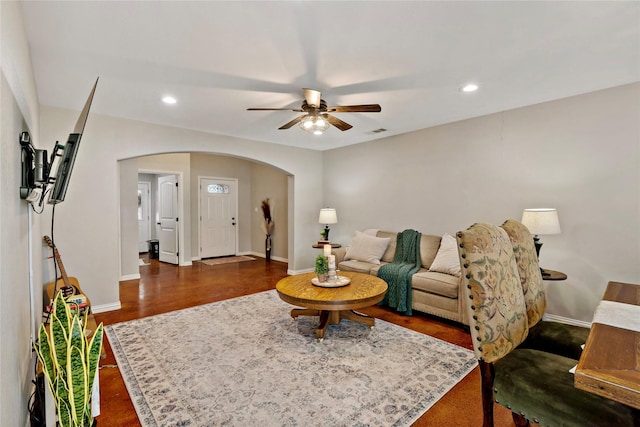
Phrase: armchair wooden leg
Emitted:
{"points": [[486, 376], [519, 420]]}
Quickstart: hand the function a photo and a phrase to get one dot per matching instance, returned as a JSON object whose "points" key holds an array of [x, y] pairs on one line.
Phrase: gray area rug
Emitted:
{"points": [[246, 362]]}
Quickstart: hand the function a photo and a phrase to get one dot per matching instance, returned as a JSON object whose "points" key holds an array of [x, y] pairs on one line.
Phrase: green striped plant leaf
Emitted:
{"points": [[43, 350], [77, 381], [70, 363], [62, 404], [93, 355]]}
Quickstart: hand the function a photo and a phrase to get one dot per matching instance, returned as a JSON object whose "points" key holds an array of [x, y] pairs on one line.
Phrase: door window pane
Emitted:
{"points": [[218, 188]]}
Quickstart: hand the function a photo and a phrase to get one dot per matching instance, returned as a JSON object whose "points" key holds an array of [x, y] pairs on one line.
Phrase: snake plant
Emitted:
{"points": [[70, 362]]}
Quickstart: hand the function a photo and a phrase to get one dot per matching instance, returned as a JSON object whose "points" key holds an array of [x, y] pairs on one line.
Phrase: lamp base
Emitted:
{"points": [[326, 232], [538, 244]]}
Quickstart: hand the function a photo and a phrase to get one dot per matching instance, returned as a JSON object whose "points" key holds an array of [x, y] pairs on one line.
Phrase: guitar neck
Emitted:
{"points": [[63, 272], [56, 256]]}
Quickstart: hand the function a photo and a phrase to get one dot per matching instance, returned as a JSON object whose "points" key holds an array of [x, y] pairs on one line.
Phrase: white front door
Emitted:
{"points": [[168, 216], [144, 216], [218, 204]]}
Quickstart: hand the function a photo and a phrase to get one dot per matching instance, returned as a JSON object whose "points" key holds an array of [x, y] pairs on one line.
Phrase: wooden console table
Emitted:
{"points": [[610, 362]]}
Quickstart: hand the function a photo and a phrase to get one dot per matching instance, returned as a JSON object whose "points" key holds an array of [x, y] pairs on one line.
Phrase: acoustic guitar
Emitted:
{"points": [[65, 284]]}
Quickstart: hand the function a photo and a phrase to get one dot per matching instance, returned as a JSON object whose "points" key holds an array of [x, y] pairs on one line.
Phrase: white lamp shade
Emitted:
{"points": [[541, 220], [328, 216]]}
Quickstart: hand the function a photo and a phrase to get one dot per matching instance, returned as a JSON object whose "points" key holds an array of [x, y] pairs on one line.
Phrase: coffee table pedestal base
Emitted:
{"points": [[332, 317]]}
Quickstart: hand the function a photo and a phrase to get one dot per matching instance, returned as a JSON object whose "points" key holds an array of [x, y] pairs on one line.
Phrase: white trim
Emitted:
{"points": [[185, 264], [130, 277], [236, 197], [568, 321], [106, 307], [296, 272], [262, 255], [181, 184]]}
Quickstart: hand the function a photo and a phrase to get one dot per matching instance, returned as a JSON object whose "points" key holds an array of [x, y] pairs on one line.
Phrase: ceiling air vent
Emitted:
{"points": [[378, 130]]}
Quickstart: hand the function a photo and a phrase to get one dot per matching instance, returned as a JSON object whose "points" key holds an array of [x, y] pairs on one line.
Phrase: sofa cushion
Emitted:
{"points": [[447, 260], [357, 266], [436, 283], [428, 249], [391, 248], [366, 248]]}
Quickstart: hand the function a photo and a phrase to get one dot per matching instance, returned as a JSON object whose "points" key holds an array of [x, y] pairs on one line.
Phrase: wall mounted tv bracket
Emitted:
{"points": [[35, 168]]}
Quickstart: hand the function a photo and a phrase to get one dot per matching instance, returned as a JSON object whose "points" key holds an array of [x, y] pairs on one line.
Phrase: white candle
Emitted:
{"points": [[327, 250], [332, 262]]}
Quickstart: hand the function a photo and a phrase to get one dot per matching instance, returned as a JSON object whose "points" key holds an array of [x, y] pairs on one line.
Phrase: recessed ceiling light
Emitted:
{"points": [[169, 100], [471, 87]]}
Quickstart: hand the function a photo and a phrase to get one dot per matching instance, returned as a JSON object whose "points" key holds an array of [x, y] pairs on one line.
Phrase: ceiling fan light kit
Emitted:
{"points": [[315, 124], [316, 118]]}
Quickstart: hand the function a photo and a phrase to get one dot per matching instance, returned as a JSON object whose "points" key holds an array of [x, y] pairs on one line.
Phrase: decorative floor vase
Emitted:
{"points": [[267, 247]]}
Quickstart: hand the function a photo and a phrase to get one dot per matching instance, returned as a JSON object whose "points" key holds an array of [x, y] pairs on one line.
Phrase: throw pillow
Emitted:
{"points": [[447, 260], [367, 248], [371, 231]]}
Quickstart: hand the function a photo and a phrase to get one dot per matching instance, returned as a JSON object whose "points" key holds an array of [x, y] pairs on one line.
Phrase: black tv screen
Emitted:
{"points": [[65, 167]]}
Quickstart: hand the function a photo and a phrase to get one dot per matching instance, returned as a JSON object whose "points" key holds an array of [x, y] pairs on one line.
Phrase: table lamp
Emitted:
{"points": [[327, 216], [541, 221]]}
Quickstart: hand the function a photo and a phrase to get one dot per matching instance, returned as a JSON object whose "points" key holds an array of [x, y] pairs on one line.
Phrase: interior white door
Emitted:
{"points": [[218, 204], [168, 216], [144, 216]]}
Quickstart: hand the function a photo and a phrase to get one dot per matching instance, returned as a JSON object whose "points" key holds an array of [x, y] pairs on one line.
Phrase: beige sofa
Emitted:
{"points": [[433, 292]]}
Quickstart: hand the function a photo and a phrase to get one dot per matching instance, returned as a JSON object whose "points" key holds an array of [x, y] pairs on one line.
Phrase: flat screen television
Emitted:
{"points": [[65, 166]]}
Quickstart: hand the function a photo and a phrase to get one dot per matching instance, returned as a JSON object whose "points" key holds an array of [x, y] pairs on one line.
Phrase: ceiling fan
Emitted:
{"points": [[316, 118]]}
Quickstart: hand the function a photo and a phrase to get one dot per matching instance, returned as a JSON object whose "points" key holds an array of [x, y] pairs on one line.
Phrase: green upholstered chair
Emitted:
{"points": [[553, 337], [535, 385]]}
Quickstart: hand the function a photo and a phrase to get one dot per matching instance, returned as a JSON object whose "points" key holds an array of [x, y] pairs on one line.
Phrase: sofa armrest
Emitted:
{"points": [[339, 254]]}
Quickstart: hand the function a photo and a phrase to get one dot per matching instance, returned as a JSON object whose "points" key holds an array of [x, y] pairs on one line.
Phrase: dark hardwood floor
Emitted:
{"points": [[163, 287]]}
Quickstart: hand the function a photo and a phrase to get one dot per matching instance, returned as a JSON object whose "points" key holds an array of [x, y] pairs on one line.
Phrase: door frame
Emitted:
{"points": [[181, 215], [174, 220], [148, 210], [237, 197]]}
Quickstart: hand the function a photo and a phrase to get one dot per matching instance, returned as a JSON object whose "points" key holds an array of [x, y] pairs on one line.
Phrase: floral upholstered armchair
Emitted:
{"points": [[535, 385], [553, 337]]}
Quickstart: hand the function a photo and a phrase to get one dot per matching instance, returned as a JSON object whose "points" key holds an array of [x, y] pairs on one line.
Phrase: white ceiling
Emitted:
{"points": [[219, 58]]}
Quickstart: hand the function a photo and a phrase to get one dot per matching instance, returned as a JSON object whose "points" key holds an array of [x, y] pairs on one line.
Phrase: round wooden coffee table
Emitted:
{"points": [[332, 304]]}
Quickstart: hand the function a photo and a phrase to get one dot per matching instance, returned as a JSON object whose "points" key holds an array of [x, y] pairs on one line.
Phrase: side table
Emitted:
{"points": [[553, 275], [321, 246]]}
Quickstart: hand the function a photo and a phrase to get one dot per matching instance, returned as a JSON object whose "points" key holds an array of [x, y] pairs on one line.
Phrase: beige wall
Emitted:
{"points": [[267, 182], [88, 222], [254, 179], [580, 155], [21, 248]]}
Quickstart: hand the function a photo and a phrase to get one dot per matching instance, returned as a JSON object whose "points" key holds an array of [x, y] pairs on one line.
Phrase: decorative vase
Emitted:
{"points": [[322, 278], [267, 247]]}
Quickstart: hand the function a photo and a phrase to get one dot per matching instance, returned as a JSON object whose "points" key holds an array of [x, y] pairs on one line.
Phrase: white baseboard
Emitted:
{"points": [[262, 255], [106, 307], [568, 321], [185, 264], [130, 277], [296, 272]]}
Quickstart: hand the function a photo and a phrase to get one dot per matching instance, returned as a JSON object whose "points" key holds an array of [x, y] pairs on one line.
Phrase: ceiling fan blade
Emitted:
{"points": [[342, 125], [367, 108], [312, 97], [292, 122], [275, 109]]}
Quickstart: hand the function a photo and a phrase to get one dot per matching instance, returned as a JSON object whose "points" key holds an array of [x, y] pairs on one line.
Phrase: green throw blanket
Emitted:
{"points": [[406, 262]]}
